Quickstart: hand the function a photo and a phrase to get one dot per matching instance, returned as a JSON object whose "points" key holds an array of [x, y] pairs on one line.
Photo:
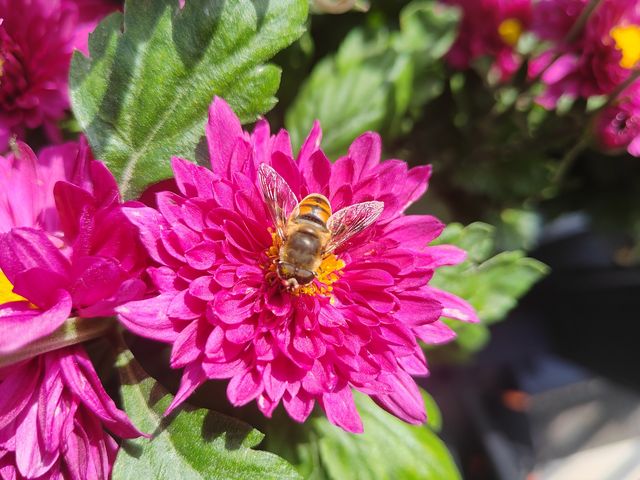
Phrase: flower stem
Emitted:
{"points": [[72, 332], [570, 157], [572, 34], [581, 21], [620, 89]]}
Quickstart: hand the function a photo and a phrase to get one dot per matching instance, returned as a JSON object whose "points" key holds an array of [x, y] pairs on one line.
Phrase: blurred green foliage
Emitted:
{"points": [[389, 448], [491, 282], [377, 80]]}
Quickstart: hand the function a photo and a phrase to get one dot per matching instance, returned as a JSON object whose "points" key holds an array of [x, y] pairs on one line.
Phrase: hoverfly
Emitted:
{"points": [[308, 231]]}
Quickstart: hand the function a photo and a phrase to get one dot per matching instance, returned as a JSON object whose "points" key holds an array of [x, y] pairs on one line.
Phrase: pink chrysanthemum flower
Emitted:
{"points": [[490, 28], [618, 126], [54, 418], [65, 250], [37, 38], [598, 60], [225, 310]]}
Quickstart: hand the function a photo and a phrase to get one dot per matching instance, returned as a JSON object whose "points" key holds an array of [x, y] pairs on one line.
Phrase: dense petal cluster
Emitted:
{"points": [[53, 415], [228, 316], [490, 28], [599, 58], [88, 266], [37, 38], [618, 126], [65, 250]]}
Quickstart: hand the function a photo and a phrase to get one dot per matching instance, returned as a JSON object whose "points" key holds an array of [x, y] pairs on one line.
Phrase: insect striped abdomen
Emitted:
{"points": [[314, 208]]}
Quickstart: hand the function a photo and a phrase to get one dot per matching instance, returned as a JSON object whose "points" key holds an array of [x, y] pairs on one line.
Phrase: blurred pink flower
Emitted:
{"points": [[553, 19], [65, 250], [490, 28], [37, 38], [618, 126], [598, 60], [90, 12], [226, 314]]}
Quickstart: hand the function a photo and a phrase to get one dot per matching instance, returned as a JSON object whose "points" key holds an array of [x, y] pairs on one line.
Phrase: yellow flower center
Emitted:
{"points": [[510, 31], [6, 291], [627, 40], [328, 273]]}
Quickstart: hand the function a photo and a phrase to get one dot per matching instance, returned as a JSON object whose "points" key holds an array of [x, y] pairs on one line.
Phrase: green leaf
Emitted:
{"points": [[388, 449], [142, 95], [349, 93], [376, 81], [428, 28], [492, 285], [190, 444]]}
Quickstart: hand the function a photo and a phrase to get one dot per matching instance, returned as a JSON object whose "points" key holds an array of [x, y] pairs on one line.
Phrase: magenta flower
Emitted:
{"points": [[598, 60], [618, 126], [37, 38], [553, 19], [79, 254], [490, 28], [54, 417], [227, 313], [66, 250]]}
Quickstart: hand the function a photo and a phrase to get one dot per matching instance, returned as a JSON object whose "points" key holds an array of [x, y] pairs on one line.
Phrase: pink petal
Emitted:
{"points": [[151, 225], [50, 404], [434, 333], [149, 318], [75, 207], [454, 306], [414, 231], [317, 173], [446, 255], [298, 406], [634, 147], [21, 325], [39, 286], [562, 67], [415, 185], [405, 401], [341, 410], [365, 153], [192, 180], [16, 391], [310, 145], [418, 308], [94, 279], [25, 248], [31, 458], [223, 131], [184, 349], [82, 380], [244, 387], [192, 378], [202, 256]]}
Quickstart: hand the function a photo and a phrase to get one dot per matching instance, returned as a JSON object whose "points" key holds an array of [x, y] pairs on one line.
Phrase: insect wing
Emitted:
{"points": [[278, 196], [350, 221]]}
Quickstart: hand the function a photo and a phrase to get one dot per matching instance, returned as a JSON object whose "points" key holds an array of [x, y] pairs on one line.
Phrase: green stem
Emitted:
{"points": [[570, 157], [619, 90], [72, 332]]}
